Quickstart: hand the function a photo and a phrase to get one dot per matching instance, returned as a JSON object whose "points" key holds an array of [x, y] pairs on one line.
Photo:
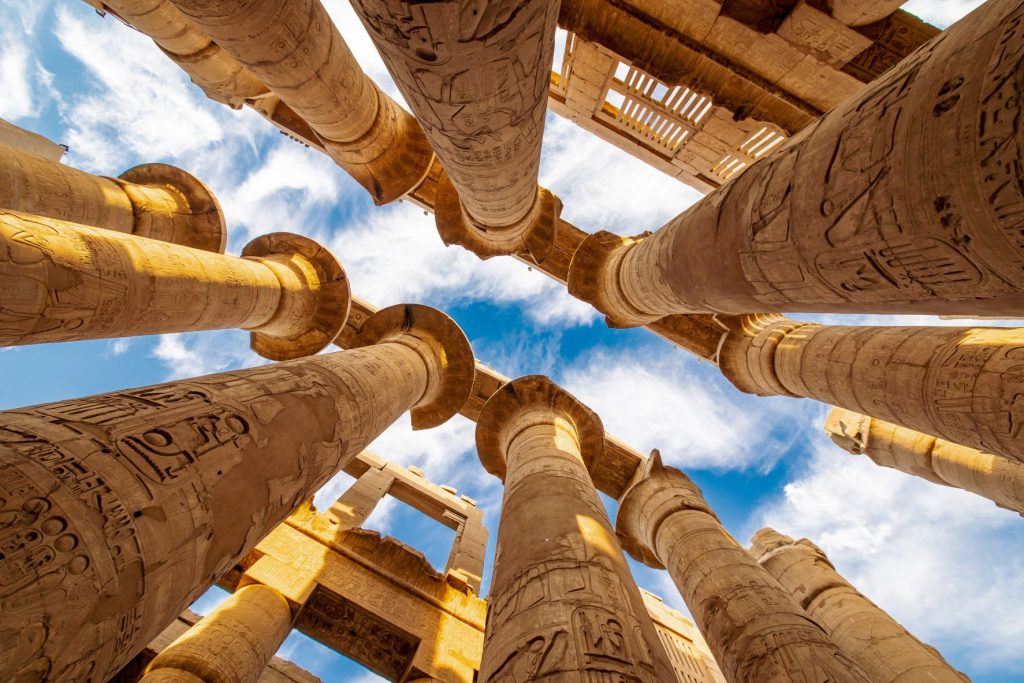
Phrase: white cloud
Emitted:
{"points": [[118, 347], [604, 188], [941, 13], [16, 70], [394, 255], [139, 103], [194, 354], [687, 411], [943, 562]]}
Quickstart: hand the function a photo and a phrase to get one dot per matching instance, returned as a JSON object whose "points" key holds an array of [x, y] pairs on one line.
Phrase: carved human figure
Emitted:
{"points": [[295, 49], [152, 200], [65, 282], [563, 604], [995, 477], [873, 639], [755, 629], [885, 205], [119, 510], [232, 644], [477, 76]]}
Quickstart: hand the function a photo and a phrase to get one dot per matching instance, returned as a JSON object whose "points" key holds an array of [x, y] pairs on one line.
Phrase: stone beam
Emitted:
{"points": [[562, 603], [872, 638], [152, 200], [863, 12], [67, 282], [232, 644], [870, 210], [995, 477], [755, 629], [477, 78], [295, 49], [124, 507]]}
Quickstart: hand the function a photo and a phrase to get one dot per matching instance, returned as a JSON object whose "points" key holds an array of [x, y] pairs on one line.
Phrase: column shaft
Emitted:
{"points": [[563, 603], [903, 200], [964, 385], [66, 282], [478, 83], [995, 477], [873, 639], [119, 510], [294, 48], [755, 629], [216, 72], [153, 200], [232, 644], [29, 142]]}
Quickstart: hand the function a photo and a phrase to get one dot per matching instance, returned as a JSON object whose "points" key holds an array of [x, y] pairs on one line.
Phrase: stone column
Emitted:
{"points": [[563, 604], [30, 143], [216, 72], [755, 629], [873, 639], [995, 477], [119, 510], [477, 78], [863, 12], [232, 644], [965, 385], [65, 282], [153, 200], [294, 48], [903, 200]]}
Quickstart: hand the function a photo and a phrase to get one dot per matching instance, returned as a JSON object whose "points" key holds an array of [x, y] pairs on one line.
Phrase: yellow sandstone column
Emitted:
{"points": [[755, 629], [873, 639], [65, 282], [232, 644], [903, 200], [995, 477], [563, 604], [965, 385], [294, 48], [477, 77], [119, 510], [153, 200], [216, 72], [29, 142]]}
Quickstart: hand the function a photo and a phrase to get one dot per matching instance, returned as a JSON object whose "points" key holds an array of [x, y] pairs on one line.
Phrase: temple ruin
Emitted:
{"points": [[853, 158]]}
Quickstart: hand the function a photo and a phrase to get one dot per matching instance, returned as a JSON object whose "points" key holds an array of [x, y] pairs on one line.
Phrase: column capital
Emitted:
{"points": [[848, 430], [534, 233], [331, 296], [658, 493], [746, 355], [768, 543], [533, 392], [594, 278], [206, 228], [447, 393]]}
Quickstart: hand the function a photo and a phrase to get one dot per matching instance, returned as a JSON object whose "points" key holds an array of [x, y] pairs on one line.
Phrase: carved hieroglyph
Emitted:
{"points": [[995, 477], [152, 200], [120, 509], [965, 385], [905, 199], [65, 282], [232, 644], [477, 76], [216, 72], [873, 639], [563, 604], [294, 48], [756, 631]]}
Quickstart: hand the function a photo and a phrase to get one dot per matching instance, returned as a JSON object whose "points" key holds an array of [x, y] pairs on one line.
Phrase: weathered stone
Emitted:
{"points": [[65, 282], [563, 603], [295, 49], [995, 477], [120, 509], [873, 639], [756, 631], [153, 200], [884, 205]]}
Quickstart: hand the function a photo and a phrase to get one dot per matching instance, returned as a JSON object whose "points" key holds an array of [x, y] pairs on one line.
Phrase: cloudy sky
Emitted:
{"points": [[948, 565]]}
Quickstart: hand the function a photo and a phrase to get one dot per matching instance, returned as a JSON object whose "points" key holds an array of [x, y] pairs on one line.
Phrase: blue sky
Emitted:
{"points": [[948, 565]]}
